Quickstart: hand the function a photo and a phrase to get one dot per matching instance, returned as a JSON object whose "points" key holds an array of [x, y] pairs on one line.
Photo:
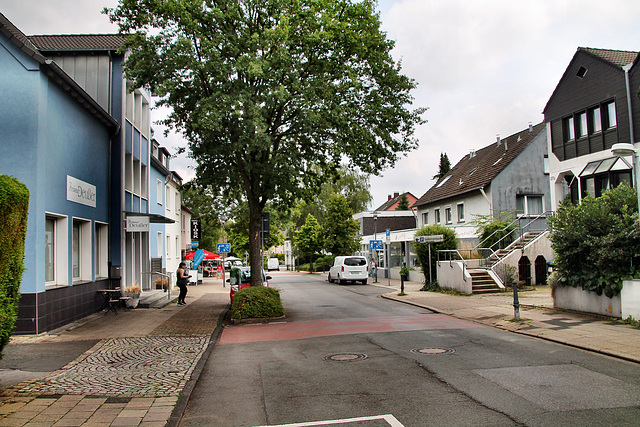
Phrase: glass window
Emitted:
{"points": [[101, 244], [611, 120], [529, 205], [159, 191], [436, 215], [167, 198], [447, 215], [167, 248], [75, 258], [595, 121], [159, 243], [461, 212], [568, 129], [582, 125], [425, 218], [50, 250]]}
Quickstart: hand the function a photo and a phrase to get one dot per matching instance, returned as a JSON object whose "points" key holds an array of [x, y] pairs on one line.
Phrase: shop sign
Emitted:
{"points": [[81, 192], [137, 224]]}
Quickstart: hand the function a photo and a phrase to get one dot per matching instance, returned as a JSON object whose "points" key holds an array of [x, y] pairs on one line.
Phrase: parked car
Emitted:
{"points": [[240, 278], [349, 269], [273, 264]]}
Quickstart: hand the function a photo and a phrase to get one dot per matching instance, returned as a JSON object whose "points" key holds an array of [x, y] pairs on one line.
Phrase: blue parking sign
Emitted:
{"points": [[223, 248]]}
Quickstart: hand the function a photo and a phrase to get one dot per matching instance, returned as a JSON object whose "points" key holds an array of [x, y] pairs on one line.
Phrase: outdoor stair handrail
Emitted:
{"points": [[457, 252], [168, 276]]}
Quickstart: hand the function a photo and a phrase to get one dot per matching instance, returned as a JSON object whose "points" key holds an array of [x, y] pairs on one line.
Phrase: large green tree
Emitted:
{"points": [[340, 230], [271, 94], [309, 239]]}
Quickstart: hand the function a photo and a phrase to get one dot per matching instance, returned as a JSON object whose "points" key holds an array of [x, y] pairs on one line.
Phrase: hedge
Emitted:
{"points": [[14, 208], [256, 302]]}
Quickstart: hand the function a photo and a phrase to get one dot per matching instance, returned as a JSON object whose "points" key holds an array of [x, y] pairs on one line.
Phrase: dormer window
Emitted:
{"points": [[443, 181]]}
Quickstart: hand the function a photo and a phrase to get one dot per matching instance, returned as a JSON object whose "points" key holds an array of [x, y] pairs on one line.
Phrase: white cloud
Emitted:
{"points": [[484, 67]]}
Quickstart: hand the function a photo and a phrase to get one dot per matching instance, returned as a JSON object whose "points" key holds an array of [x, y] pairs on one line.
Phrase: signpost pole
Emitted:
{"points": [[430, 279]]}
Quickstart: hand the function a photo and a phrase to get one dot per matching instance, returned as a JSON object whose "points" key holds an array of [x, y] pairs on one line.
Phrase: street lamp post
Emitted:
{"points": [[625, 149], [375, 251]]}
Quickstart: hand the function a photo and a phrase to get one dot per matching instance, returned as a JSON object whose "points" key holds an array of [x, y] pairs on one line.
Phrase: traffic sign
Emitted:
{"points": [[388, 232], [375, 244], [194, 244], [433, 238], [223, 248]]}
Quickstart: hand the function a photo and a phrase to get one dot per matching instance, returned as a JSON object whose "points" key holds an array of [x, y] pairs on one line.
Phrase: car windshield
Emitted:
{"points": [[245, 276], [353, 262]]}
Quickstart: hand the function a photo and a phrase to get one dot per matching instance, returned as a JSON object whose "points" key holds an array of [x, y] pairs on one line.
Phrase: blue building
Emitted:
{"points": [[56, 138], [78, 135]]}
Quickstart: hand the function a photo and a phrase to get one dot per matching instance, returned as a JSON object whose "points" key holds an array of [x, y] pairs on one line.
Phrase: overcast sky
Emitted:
{"points": [[483, 67]]}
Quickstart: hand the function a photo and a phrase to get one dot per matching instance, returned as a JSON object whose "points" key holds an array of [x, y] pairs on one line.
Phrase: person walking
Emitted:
{"points": [[182, 281]]}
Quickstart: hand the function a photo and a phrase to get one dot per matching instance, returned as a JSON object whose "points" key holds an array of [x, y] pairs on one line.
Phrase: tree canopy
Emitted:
{"points": [[271, 94], [309, 239]]}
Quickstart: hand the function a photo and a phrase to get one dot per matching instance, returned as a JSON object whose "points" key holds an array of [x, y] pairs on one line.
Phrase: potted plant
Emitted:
{"points": [[133, 293], [404, 273]]}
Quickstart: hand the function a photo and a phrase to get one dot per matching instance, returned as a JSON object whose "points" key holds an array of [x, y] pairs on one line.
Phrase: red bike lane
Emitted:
{"points": [[284, 330]]}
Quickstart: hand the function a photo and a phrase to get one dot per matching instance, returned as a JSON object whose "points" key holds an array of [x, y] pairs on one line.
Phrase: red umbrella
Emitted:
{"points": [[207, 255]]}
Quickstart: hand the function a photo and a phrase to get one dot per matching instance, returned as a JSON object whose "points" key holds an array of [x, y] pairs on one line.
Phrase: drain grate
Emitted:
{"points": [[433, 351], [345, 357]]}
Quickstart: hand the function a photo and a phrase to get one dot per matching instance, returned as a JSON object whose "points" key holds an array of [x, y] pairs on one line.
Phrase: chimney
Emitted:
{"points": [[498, 139], [395, 195], [530, 127], [389, 197]]}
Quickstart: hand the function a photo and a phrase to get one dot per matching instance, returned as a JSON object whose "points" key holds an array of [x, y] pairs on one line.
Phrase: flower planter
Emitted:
{"points": [[134, 299]]}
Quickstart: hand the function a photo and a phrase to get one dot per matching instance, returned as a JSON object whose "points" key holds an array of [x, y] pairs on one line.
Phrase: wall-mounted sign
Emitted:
{"points": [[81, 192], [137, 223], [195, 229]]}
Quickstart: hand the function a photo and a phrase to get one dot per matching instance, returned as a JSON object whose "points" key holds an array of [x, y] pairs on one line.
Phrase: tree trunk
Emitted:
{"points": [[255, 245]]}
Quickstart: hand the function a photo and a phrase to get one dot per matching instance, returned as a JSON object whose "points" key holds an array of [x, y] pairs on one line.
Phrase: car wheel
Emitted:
{"points": [[341, 282], [364, 282], [329, 278]]}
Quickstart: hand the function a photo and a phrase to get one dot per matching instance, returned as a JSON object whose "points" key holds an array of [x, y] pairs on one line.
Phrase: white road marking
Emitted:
{"points": [[390, 419]]}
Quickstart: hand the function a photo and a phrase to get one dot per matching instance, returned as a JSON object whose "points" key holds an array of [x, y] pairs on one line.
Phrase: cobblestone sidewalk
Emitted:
{"points": [[126, 380]]}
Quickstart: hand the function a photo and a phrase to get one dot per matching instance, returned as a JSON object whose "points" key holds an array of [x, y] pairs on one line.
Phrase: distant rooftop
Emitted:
{"points": [[77, 42], [616, 57]]}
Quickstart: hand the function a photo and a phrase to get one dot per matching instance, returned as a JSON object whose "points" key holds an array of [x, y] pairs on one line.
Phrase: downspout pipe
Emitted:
{"points": [[486, 197], [626, 69]]}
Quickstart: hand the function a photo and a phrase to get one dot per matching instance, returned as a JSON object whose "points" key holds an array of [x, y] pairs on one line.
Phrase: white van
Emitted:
{"points": [[273, 264], [349, 269]]}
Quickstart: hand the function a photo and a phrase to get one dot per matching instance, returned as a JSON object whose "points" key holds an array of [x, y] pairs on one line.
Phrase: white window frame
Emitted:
{"points": [[447, 215], [168, 247], [168, 198], [526, 198], [60, 250], [460, 212], [425, 218], [436, 216], [85, 270], [159, 191], [101, 263], [177, 246], [160, 243]]}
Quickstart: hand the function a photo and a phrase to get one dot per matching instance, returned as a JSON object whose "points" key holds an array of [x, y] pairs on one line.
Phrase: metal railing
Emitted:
{"points": [[450, 253], [167, 275]]}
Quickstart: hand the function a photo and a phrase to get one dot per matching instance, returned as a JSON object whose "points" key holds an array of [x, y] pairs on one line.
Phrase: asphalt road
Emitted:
{"points": [[343, 354]]}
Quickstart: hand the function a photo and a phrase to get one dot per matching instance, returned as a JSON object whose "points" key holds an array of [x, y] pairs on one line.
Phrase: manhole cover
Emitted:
{"points": [[432, 351], [345, 357]]}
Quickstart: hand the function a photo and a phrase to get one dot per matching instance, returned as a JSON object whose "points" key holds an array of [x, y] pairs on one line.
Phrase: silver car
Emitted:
{"points": [[349, 269]]}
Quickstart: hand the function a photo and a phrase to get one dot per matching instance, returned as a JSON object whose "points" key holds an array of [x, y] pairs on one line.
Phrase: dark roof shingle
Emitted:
{"points": [[479, 168], [619, 58], [77, 42]]}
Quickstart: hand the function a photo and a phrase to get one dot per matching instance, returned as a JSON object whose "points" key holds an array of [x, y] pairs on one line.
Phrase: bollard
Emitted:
{"points": [[516, 303], [402, 284]]}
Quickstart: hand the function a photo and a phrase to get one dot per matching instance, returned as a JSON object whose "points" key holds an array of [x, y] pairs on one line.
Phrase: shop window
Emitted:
{"points": [[56, 255], [101, 250], [81, 251]]}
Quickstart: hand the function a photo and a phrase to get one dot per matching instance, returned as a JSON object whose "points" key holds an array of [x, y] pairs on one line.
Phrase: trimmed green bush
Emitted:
{"points": [[597, 243], [422, 249], [14, 208], [256, 302]]}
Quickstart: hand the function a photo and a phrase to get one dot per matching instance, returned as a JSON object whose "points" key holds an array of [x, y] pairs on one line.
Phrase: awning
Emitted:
{"points": [[153, 218]]}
